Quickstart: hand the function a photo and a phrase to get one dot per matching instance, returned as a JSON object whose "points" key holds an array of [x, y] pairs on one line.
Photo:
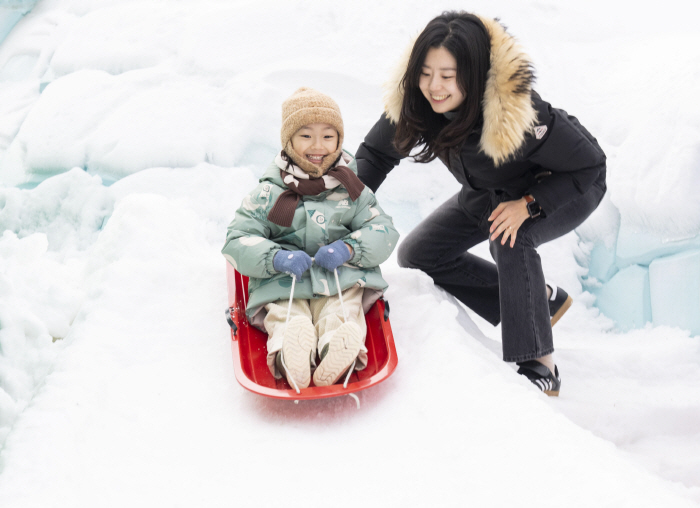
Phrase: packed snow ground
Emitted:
{"points": [[129, 133]]}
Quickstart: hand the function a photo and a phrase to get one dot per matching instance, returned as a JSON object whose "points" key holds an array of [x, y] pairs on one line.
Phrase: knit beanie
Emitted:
{"points": [[304, 107]]}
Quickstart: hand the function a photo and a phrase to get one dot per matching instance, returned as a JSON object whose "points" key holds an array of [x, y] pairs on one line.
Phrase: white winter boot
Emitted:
{"points": [[298, 351], [337, 351]]}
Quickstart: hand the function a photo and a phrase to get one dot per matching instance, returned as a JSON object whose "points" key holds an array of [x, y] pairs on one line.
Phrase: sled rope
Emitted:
{"points": [[291, 296], [289, 311], [243, 292], [289, 376], [347, 378], [345, 319], [340, 295]]}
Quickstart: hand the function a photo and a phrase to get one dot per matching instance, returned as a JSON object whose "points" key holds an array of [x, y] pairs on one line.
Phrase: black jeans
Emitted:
{"points": [[511, 291]]}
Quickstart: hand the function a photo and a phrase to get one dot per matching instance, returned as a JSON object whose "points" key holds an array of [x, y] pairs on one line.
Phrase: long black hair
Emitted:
{"points": [[467, 39]]}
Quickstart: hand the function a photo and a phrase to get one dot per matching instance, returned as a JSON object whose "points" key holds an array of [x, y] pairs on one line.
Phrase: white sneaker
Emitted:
{"points": [[338, 354], [298, 351]]}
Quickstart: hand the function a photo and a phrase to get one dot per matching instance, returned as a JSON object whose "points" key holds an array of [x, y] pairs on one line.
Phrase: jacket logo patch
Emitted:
{"points": [[344, 203], [318, 218], [540, 131]]}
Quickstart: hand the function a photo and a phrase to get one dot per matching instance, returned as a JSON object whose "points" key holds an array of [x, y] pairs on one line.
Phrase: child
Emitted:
{"points": [[310, 203]]}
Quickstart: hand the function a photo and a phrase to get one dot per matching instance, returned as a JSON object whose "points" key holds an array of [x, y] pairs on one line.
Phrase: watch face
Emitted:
{"points": [[534, 209]]}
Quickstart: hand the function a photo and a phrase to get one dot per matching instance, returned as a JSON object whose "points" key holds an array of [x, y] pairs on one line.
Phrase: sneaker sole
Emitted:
{"points": [[297, 348], [551, 393], [562, 310], [338, 359]]}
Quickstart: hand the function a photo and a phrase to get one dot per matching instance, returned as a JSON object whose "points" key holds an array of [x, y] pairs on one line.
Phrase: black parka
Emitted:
{"points": [[524, 145], [562, 164]]}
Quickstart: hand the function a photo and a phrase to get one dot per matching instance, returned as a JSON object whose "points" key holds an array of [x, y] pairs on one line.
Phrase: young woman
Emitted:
{"points": [[529, 173]]}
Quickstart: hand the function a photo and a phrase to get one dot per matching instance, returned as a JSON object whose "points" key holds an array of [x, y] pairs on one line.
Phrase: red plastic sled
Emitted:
{"points": [[249, 350]]}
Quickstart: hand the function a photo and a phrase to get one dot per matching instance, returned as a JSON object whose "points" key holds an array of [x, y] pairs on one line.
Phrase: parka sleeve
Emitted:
{"points": [[374, 236], [247, 246], [376, 155], [568, 151]]}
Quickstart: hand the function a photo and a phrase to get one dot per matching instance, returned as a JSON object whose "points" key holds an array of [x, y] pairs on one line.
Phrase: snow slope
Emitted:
{"points": [[129, 133]]}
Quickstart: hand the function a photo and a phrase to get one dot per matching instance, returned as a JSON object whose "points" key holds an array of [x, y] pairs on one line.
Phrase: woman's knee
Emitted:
{"points": [[412, 253], [499, 251], [404, 255]]}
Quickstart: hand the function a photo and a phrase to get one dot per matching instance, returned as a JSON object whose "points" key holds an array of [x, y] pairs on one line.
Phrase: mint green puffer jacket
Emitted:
{"points": [[252, 241]]}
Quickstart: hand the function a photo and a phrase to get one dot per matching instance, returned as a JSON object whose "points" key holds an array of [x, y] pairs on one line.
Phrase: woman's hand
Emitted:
{"points": [[507, 219]]}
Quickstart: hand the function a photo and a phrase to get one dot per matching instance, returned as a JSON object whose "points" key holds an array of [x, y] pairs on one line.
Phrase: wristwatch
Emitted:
{"points": [[533, 208]]}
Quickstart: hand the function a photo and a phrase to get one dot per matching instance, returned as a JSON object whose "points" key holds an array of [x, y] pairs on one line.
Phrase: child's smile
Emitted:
{"points": [[316, 159]]}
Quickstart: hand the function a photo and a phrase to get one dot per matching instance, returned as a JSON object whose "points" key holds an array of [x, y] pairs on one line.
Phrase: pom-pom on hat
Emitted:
{"points": [[304, 107]]}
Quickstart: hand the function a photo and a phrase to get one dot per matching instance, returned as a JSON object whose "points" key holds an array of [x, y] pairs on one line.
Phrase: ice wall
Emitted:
{"points": [[643, 244]]}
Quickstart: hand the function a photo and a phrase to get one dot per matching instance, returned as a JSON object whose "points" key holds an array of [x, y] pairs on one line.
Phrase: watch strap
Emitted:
{"points": [[533, 208]]}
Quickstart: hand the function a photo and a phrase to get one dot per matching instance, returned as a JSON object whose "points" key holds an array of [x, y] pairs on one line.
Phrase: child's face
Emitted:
{"points": [[315, 141]]}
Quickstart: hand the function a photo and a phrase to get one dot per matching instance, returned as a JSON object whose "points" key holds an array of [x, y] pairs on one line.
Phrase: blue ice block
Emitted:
{"points": [[603, 263], [625, 298], [675, 290], [643, 247]]}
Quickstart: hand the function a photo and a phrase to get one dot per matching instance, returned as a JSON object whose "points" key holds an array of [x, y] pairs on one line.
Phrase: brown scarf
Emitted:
{"points": [[282, 212]]}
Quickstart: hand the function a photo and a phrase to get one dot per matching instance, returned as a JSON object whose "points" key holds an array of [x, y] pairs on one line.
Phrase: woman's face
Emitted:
{"points": [[438, 80], [315, 141]]}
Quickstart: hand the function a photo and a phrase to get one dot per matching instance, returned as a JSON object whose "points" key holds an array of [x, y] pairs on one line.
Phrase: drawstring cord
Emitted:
{"points": [[340, 295], [289, 376], [345, 319], [347, 378], [286, 323]]}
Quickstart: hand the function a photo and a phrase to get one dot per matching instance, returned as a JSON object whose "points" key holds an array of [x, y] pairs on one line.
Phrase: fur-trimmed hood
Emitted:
{"points": [[508, 111]]}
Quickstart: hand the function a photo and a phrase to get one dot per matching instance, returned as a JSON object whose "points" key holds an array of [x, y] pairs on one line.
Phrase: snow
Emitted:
{"points": [[11, 11], [129, 134]]}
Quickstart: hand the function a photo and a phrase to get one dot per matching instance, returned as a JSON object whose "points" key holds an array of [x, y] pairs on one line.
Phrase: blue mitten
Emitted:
{"points": [[332, 256], [293, 263]]}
